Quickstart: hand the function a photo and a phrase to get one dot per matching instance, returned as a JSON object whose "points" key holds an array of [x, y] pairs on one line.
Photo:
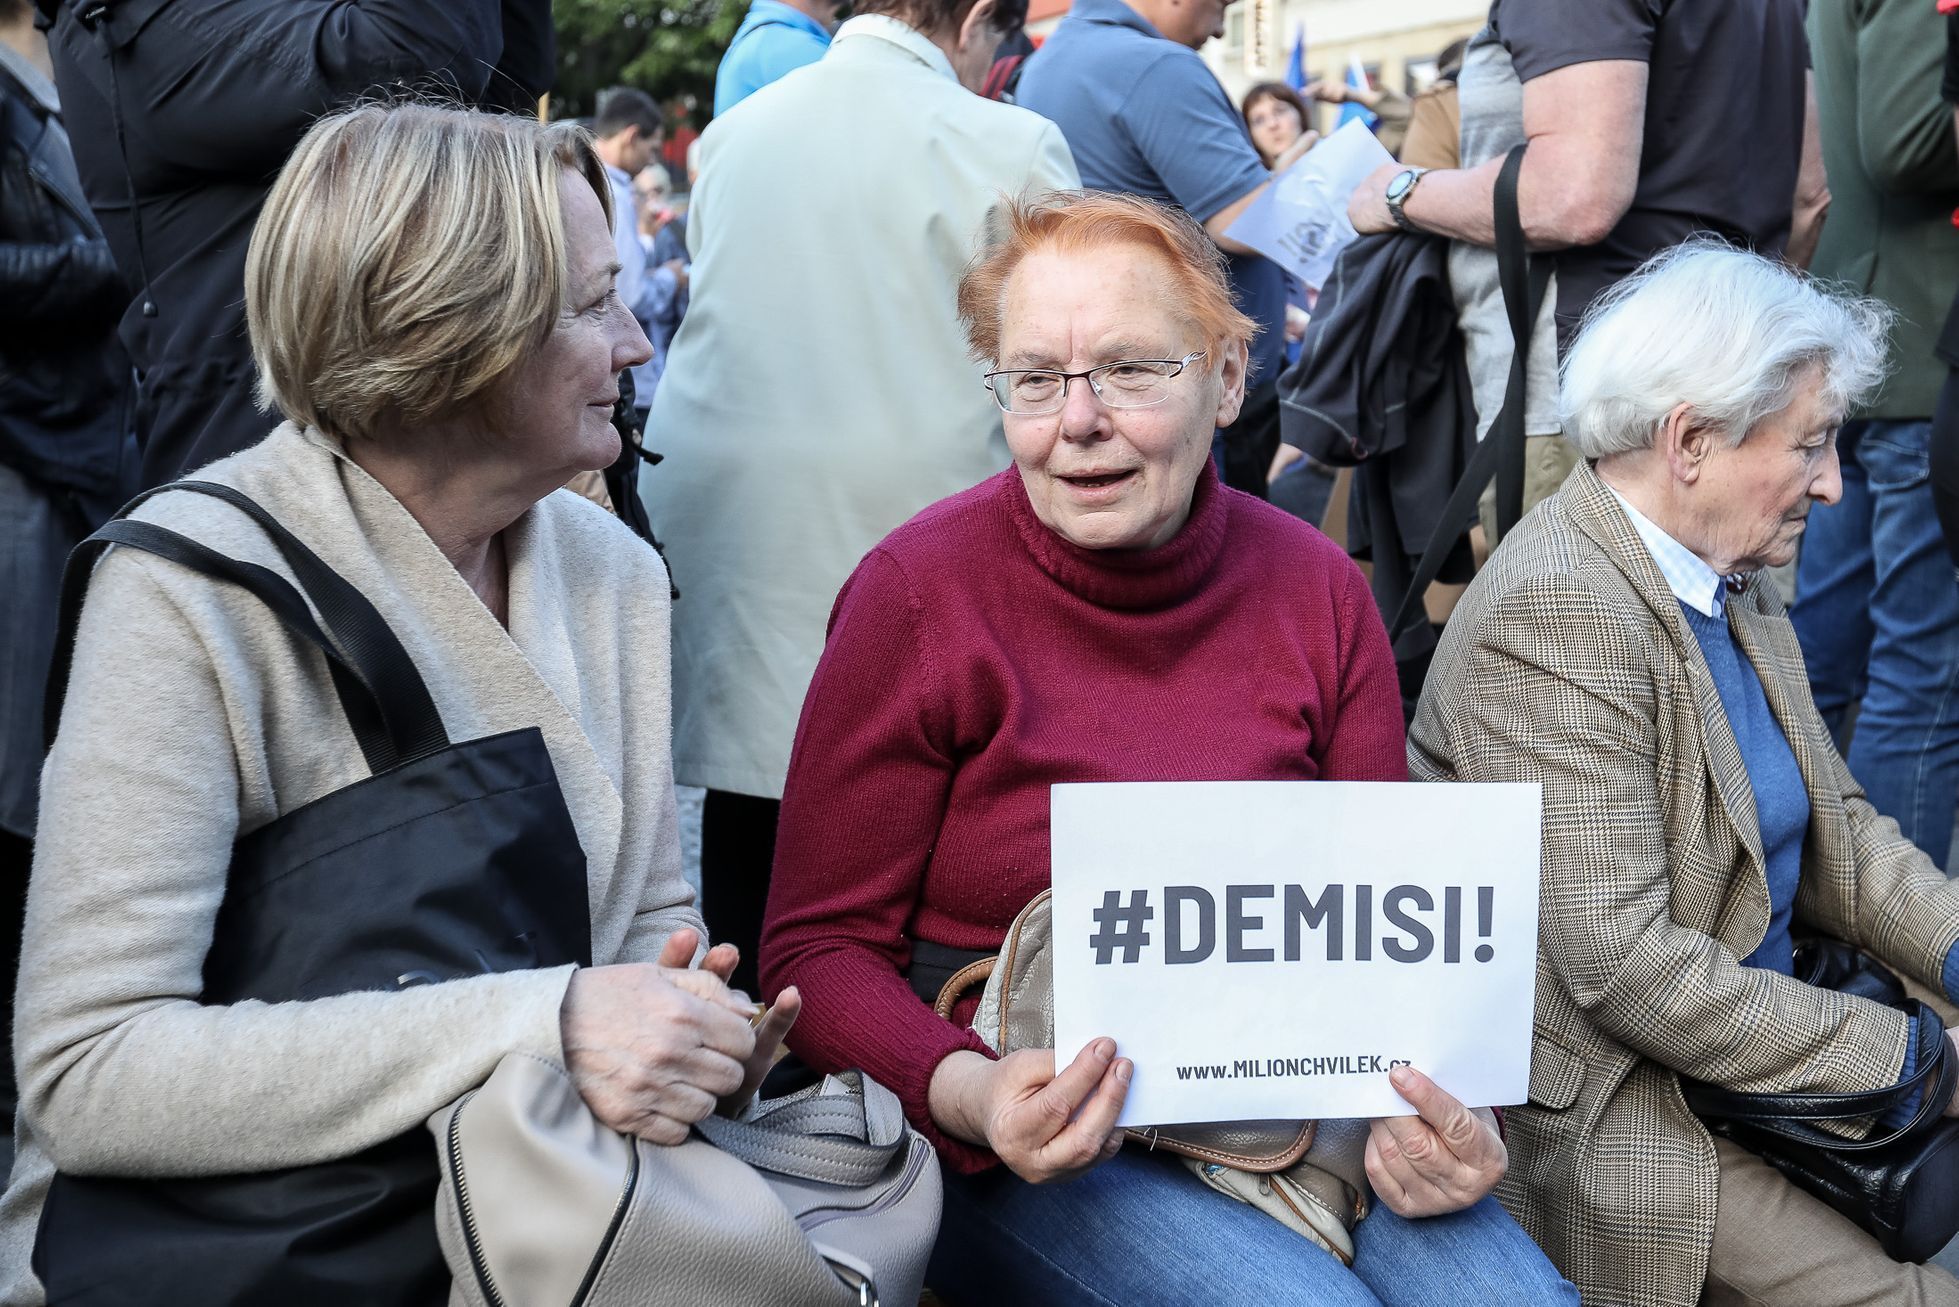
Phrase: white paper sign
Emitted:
{"points": [[1300, 222], [1271, 949]]}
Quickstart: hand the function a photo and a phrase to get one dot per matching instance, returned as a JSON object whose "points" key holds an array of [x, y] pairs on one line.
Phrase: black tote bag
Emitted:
{"points": [[449, 860]]}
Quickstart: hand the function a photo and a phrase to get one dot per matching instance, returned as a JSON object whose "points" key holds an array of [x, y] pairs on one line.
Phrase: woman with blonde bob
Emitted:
{"points": [[1103, 610], [430, 299], [1625, 651]]}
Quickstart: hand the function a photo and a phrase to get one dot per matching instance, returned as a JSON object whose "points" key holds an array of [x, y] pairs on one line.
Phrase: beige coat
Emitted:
{"points": [[193, 718], [1569, 663], [819, 392]]}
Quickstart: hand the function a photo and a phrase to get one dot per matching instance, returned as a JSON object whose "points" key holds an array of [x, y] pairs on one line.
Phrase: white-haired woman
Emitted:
{"points": [[431, 303], [1624, 650]]}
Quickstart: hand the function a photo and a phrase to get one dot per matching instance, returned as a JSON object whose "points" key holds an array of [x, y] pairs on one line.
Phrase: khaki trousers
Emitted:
{"points": [[1548, 460], [1777, 1246]]}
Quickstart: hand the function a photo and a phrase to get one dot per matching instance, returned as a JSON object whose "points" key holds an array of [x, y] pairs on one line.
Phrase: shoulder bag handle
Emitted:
{"points": [[387, 703], [1788, 1115]]}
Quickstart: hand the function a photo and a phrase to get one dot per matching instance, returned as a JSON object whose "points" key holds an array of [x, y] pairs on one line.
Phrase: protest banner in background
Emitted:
{"points": [[1300, 222], [1271, 949]]}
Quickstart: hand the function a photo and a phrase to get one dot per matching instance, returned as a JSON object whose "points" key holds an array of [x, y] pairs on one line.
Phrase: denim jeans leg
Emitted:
{"points": [[1834, 580], [1138, 1231], [1141, 1230], [1905, 749], [1478, 1255]]}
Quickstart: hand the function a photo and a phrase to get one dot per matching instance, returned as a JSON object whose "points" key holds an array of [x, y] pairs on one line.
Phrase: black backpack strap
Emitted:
{"points": [[386, 701], [1501, 453], [1524, 281]]}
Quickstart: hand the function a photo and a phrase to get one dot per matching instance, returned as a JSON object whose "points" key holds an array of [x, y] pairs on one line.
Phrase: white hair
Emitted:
{"points": [[1731, 334]]}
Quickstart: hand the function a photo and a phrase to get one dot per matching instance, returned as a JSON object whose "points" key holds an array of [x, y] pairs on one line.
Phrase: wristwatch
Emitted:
{"points": [[1400, 187]]}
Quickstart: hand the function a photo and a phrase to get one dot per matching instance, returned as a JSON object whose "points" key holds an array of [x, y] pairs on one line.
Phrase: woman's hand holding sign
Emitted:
{"points": [[1046, 1127], [1443, 1160]]}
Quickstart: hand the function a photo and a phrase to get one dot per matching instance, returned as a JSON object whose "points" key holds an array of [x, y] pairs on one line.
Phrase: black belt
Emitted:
{"points": [[934, 964]]}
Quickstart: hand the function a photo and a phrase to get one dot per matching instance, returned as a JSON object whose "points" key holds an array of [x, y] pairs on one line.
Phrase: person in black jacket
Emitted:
{"points": [[1380, 386], [182, 114], [64, 419]]}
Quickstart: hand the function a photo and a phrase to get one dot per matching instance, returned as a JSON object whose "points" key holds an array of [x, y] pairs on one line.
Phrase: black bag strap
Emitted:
{"points": [[357, 626], [1787, 1115], [1501, 453], [1524, 281], [387, 703], [277, 593]]}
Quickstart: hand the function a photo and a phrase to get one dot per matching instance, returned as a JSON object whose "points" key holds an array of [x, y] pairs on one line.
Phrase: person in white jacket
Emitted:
{"points": [[820, 391]]}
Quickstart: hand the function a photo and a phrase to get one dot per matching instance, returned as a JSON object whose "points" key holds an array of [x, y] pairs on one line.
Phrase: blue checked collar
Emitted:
{"points": [[1692, 581]]}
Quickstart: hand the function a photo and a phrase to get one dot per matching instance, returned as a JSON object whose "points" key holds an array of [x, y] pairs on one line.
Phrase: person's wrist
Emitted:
{"points": [[956, 1097]]}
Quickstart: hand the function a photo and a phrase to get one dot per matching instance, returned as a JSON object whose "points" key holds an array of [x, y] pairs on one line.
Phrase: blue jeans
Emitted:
{"points": [[1877, 612], [1141, 1230]]}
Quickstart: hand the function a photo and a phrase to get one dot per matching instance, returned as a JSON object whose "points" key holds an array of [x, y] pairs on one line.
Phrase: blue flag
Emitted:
{"points": [[1296, 66], [1351, 111]]}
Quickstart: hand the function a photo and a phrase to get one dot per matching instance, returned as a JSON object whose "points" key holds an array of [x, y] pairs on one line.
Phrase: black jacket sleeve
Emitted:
{"points": [[59, 290], [227, 88]]}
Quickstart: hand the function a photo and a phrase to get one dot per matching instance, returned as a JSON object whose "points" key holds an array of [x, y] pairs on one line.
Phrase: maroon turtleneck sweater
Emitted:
{"points": [[976, 658]]}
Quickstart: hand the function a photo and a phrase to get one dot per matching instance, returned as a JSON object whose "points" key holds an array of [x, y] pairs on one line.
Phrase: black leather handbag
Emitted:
{"points": [[450, 860], [1901, 1186]]}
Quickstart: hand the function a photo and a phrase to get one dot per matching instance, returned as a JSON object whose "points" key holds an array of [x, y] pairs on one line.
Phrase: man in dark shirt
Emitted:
{"points": [[1142, 113], [1646, 123]]}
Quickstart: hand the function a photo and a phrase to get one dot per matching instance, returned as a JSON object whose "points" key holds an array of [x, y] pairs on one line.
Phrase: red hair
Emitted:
{"points": [[1074, 221]]}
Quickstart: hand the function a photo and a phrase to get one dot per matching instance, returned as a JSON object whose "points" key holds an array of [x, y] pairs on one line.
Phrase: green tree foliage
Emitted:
{"points": [[667, 48]]}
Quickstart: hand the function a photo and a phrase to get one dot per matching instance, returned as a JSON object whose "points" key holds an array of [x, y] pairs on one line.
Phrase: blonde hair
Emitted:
{"points": [[408, 256], [1073, 221]]}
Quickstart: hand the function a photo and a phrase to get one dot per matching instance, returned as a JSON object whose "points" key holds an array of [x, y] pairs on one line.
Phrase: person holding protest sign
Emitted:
{"points": [[1700, 831], [1085, 615]]}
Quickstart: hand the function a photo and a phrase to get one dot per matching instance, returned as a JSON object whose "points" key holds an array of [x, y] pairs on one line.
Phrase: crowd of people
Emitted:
{"points": [[442, 492]]}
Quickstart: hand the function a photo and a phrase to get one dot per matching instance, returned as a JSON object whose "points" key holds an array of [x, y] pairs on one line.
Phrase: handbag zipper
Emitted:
{"points": [[470, 1238], [612, 1227], [914, 1163]]}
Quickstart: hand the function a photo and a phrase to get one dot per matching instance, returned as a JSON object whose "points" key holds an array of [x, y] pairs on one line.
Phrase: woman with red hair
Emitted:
{"points": [[1103, 610]]}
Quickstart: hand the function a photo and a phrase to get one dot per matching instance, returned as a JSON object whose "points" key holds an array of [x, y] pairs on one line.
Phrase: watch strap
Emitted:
{"points": [[1396, 201]]}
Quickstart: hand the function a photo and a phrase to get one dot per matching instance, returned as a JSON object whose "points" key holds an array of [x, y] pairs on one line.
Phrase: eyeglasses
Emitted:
{"points": [[1130, 383]]}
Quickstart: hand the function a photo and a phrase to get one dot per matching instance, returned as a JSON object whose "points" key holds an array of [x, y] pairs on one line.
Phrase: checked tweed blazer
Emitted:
{"points": [[1569, 663]]}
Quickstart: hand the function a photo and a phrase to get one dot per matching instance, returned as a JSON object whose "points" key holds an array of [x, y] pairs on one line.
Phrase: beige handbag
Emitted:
{"points": [[823, 1198], [1307, 1174]]}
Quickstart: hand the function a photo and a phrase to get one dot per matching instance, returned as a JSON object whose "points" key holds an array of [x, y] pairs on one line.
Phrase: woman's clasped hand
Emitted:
{"points": [[655, 1047], [1046, 1126]]}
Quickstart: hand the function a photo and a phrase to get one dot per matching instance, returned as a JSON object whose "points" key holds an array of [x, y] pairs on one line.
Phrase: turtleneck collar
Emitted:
{"points": [[1129, 578]]}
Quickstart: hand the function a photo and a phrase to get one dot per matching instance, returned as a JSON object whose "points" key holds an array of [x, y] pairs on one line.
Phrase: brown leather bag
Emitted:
{"points": [[1307, 1174]]}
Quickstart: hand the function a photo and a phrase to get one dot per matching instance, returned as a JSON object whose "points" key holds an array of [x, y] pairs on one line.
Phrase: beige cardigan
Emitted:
{"points": [[193, 718]]}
